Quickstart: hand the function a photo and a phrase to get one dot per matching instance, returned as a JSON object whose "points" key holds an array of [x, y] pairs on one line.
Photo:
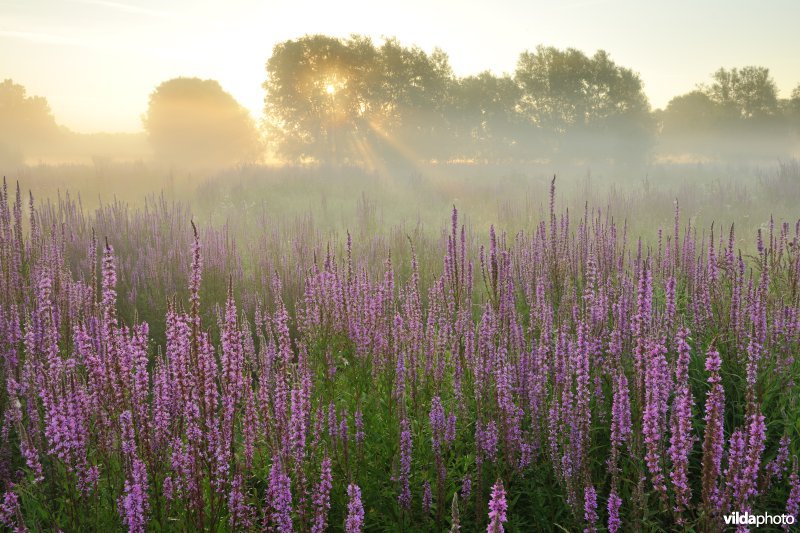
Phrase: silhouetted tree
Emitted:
{"points": [[349, 101], [588, 106], [793, 108], [27, 123], [737, 116], [416, 90], [795, 98], [693, 113], [484, 119], [310, 94], [195, 123], [337, 100], [747, 93]]}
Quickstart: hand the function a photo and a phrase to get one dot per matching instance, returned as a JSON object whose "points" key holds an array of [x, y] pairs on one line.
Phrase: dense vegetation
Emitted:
{"points": [[566, 374], [386, 105]]}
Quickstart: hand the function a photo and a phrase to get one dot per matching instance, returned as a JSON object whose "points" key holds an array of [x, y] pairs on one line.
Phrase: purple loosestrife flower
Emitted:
{"points": [[240, 513], [590, 508], [279, 499], [297, 427], [127, 434], [793, 502], [582, 416], [438, 428], [66, 426], [400, 376], [322, 497], [777, 467], [756, 436], [614, 503], [734, 478], [404, 498], [343, 430], [620, 417], [466, 487], [450, 430], [194, 281], [355, 510], [641, 323], [497, 508], [653, 418], [437, 421], [133, 505], [333, 424], [486, 439], [510, 414], [250, 424], [10, 513], [31, 456], [427, 497], [232, 351], [681, 439], [168, 489], [713, 438], [137, 348], [163, 406], [109, 289]]}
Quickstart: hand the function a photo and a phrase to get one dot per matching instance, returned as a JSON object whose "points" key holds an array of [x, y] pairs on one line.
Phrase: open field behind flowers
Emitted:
{"points": [[561, 369]]}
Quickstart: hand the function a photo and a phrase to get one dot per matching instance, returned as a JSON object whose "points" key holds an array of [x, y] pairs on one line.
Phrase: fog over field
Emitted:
{"points": [[439, 267]]}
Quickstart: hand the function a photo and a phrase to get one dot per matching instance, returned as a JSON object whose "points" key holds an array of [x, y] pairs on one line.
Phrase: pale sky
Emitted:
{"points": [[97, 61]]}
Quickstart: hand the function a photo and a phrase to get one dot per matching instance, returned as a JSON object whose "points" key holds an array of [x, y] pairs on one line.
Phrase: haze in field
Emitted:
{"points": [[416, 266], [104, 96], [96, 61]]}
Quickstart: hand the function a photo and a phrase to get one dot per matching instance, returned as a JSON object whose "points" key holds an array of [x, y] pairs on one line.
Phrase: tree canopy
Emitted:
{"points": [[737, 115], [571, 97], [334, 99], [28, 123], [348, 100], [194, 122], [749, 92]]}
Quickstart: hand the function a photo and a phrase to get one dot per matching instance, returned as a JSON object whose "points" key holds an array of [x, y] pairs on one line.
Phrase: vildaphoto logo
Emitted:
{"points": [[747, 519]]}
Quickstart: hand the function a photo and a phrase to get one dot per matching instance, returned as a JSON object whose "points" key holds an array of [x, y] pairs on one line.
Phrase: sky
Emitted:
{"points": [[97, 61]]}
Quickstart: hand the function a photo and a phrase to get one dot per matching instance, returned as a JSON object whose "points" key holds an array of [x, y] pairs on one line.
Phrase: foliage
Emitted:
{"points": [[749, 92], [351, 101], [571, 96], [28, 123], [519, 382], [737, 116], [193, 122], [345, 101]]}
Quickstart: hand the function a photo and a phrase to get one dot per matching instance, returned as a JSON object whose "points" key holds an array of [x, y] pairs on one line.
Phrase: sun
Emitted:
{"points": [[330, 89]]}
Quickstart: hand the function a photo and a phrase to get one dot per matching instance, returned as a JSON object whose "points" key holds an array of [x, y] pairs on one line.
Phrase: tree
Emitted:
{"points": [[589, 106], [693, 113], [484, 119], [737, 116], [794, 106], [335, 100], [317, 87], [194, 122], [416, 92], [748, 93], [27, 123]]}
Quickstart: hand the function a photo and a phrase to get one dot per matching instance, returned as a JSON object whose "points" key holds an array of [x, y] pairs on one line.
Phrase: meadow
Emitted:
{"points": [[326, 349]]}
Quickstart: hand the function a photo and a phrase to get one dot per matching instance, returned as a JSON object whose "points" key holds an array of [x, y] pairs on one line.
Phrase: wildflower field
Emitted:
{"points": [[160, 374]]}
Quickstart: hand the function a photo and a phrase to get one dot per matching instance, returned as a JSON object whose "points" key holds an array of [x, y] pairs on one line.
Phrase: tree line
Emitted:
{"points": [[350, 101], [347, 100]]}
